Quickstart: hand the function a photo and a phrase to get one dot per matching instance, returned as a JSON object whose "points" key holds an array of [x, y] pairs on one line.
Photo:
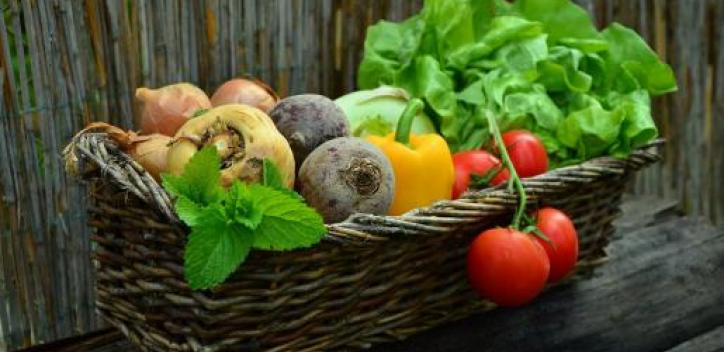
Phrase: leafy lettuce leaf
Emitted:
{"points": [[535, 64]]}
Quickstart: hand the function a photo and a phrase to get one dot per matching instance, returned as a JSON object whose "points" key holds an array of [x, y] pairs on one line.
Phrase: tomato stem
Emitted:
{"points": [[514, 179]]}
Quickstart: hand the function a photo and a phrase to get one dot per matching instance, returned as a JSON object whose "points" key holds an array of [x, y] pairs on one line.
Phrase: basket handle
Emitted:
{"points": [[104, 153]]}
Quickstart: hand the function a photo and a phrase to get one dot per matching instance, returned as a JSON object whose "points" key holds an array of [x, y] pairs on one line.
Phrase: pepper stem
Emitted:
{"points": [[522, 199], [404, 124]]}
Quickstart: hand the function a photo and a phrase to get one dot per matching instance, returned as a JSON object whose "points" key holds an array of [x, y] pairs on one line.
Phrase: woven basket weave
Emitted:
{"points": [[372, 279]]}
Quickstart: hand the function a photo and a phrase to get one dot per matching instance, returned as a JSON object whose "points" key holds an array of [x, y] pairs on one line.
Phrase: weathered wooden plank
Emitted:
{"points": [[8, 196], [711, 341], [56, 238], [82, 318], [33, 243], [716, 193], [662, 286], [644, 211]]}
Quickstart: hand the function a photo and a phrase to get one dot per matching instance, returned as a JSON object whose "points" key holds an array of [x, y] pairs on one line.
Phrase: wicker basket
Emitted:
{"points": [[373, 279]]}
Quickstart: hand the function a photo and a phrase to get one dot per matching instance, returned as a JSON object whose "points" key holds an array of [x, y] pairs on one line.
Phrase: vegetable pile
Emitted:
{"points": [[538, 65], [465, 94]]}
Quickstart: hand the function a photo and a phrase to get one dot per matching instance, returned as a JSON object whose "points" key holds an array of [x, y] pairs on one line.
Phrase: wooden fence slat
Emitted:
{"points": [[6, 290], [55, 91], [11, 287], [717, 191]]}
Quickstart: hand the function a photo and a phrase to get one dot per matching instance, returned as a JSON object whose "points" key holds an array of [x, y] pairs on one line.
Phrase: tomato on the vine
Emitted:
{"points": [[479, 163], [507, 266], [563, 247], [526, 152]]}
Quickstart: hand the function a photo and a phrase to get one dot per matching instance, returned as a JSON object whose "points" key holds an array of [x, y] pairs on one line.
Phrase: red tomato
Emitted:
{"points": [[475, 162], [507, 266], [563, 253], [526, 152]]}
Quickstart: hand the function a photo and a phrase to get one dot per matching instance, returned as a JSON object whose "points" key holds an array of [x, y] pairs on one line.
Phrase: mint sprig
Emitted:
{"points": [[200, 180], [288, 223], [214, 248], [226, 225], [271, 176]]}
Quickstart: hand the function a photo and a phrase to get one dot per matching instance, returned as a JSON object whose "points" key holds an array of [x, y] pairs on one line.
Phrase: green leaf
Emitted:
{"points": [[214, 250], [638, 126], [498, 83], [483, 12], [590, 131], [535, 103], [630, 54], [188, 211], [450, 23], [427, 80], [535, 64], [503, 30], [586, 45], [389, 48], [240, 207], [524, 55], [287, 223], [274, 180], [561, 71], [200, 179], [473, 94], [560, 18], [272, 176]]}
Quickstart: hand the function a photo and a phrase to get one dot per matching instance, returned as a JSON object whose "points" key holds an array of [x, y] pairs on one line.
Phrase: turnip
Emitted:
{"points": [[243, 136], [345, 176], [307, 121]]}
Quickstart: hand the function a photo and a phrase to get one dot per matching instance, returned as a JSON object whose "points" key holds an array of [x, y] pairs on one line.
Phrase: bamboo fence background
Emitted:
{"points": [[66, 63]]}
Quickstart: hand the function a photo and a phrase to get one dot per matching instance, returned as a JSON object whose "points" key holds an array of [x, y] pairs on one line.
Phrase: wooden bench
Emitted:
{"points": [[662, 290]]}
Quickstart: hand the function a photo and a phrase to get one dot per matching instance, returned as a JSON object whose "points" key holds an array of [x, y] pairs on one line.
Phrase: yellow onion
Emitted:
{"points": [[150, 151], [245, 91], [243, 135], [166, 109]]}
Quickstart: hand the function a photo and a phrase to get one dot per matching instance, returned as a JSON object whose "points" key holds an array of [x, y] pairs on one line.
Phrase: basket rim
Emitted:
{"points": [[440, 217]]}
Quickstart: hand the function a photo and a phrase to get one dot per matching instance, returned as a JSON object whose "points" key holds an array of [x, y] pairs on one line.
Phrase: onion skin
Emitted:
{"points": [[166, 109], [151, 152], [257, 139], [245, 91]]}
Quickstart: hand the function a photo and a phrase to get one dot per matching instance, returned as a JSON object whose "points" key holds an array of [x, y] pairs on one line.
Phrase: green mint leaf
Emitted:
{"points": [[214, 249], [240, 207], [288, 223], [272, 176], [188, 211], [200, 179], [203, 173]]}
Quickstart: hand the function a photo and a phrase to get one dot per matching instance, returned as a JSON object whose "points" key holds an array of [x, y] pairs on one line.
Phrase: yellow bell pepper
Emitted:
{"points": [[422, 164]]}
